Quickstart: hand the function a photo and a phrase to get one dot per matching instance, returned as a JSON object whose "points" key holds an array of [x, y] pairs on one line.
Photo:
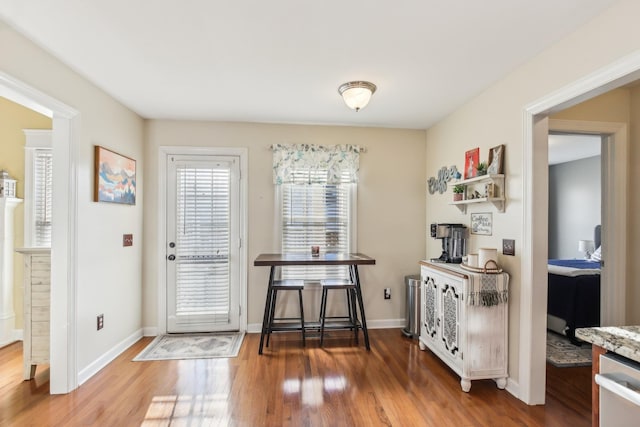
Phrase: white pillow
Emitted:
{"points": [[597, 255]]}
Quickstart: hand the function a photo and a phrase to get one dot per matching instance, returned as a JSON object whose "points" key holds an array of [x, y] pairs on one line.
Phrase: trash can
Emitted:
{"points": [[412, 318]]}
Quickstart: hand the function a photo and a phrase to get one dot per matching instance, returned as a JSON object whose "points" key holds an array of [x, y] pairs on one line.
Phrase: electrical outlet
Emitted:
{"points": [[127, 240], [100, 321], [387, 293]]}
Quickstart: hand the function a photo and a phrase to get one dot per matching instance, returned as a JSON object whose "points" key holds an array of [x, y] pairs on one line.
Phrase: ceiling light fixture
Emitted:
{"points": [[357, 94]]}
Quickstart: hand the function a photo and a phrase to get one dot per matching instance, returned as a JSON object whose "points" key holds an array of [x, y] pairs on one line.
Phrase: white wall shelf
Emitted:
{"points": [[473, 184]]}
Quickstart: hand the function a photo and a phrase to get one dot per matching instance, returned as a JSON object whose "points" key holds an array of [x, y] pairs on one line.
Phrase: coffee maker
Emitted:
{"points": [[454, 242]]}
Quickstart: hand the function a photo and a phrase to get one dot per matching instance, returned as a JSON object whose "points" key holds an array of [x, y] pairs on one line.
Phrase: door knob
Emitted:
{"points": [[171, 257]]}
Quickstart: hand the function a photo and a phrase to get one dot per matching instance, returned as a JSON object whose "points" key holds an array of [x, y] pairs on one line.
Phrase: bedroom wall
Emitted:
{"points": [[13, 119], [495, 116], [391, 211], [574, 205], [108, 275]]}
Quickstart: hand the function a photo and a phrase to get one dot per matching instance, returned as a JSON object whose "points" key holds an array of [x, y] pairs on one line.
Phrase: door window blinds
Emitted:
{"points": [[203, 241]]}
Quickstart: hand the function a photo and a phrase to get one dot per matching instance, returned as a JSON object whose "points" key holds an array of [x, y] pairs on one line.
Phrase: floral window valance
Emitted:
{"points": [[318, 164]]}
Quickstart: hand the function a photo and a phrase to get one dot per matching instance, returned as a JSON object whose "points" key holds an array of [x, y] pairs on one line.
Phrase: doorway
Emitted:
{"points": [[203, 243], [65, 141], [534, 271], [202, 219]]}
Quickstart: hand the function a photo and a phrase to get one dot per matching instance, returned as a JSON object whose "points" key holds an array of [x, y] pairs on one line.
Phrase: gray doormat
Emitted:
{"points": [[192, 346], [562, 353]]}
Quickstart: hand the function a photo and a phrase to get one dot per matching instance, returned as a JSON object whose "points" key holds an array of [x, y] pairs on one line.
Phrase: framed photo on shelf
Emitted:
{"points": [[471, 159], [496, 160], [481, 223], [115, 177]]}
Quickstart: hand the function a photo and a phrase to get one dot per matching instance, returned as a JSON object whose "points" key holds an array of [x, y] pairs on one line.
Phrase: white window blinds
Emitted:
{"points": [[203, 239], [42, 196], [318, 215]]}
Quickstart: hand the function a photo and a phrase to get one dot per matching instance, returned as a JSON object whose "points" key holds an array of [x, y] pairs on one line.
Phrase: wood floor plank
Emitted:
{"points": [[395, 384]]}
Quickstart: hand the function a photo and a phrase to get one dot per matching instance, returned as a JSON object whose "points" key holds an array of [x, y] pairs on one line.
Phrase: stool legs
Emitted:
{"points": [[351, 311], [270, 318]]}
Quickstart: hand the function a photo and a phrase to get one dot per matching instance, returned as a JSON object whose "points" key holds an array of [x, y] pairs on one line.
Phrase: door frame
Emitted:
{"points": [[64, 240], [163, 153], [532, 377]]}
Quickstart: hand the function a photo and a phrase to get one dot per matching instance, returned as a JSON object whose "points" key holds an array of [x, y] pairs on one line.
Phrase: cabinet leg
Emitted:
{"points": [[29, 372], [465, 384], [502, 383], [422, 346]]}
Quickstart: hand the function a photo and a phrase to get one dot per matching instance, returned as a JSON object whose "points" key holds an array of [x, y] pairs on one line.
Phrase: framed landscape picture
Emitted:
{"points": [[471, 159], [115, 177]]}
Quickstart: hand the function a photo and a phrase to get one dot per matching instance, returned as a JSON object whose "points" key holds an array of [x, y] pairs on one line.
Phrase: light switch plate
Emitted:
{"points": [[508, 247]]}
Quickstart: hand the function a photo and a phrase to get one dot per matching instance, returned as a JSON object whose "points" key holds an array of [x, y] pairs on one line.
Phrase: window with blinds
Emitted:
{"points": [[203, 241], [42, 196], [315, 215]]}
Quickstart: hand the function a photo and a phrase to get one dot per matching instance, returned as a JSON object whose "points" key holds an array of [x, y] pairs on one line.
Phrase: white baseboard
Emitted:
{"points": [[513, 388], [150, 331], [108, 357], [18, 334], [256, 328]]}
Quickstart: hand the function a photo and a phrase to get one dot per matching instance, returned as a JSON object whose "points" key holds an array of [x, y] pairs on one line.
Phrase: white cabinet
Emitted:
{"points": [[471, 339], [37, 303], [481, 189]]}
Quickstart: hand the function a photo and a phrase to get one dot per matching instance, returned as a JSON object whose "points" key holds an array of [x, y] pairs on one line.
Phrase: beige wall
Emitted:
{"points": [[108, 275], [391, 209], [496, 117], [14, 118]]}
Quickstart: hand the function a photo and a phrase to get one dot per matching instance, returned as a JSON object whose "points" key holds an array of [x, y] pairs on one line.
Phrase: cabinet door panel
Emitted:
{"points": [[450, 318], [430, 310]]}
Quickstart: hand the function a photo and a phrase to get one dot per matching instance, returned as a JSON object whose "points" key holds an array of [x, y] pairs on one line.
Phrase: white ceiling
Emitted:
{"points": [[282, 61], [567, 148]]}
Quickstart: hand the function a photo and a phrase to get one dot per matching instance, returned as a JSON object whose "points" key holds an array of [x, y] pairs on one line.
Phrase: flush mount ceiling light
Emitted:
{"points": [[357, 94]]}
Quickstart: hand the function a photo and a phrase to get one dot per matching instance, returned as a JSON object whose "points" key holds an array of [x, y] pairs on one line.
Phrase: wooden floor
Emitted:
{"points": [[395, 384]]}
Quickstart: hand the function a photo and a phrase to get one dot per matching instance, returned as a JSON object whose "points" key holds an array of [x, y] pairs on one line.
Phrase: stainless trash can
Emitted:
{"points": [[412, 328]]}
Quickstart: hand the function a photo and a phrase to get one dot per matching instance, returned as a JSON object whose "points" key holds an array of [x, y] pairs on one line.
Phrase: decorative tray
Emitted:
{"points": [[485, 269]]}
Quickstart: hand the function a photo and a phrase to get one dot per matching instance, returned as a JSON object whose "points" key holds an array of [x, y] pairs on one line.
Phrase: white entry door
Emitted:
{"points": [[203, 243]]}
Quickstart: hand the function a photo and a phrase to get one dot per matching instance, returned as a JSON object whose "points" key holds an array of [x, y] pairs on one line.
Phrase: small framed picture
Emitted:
{"points": [[471, 159], [481, 223], [496, 160]]}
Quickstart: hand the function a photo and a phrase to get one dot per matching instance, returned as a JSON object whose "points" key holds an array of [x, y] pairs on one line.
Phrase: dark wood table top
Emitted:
{"points": [[308, 259]]}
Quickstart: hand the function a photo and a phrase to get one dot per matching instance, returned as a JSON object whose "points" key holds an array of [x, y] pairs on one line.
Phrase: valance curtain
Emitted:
{"points": [[337, 164]]}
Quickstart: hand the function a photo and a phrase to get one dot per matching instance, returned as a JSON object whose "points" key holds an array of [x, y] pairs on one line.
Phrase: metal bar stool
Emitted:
{"points": [[272, 321], [350, 321]]}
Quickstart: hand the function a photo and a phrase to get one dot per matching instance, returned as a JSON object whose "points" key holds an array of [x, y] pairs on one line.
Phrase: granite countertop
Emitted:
{"points": [[623, 340]]}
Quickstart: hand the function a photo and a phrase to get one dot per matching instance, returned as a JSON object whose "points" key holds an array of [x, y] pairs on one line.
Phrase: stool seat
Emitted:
{"points": [[288, 284], [338, 284]]}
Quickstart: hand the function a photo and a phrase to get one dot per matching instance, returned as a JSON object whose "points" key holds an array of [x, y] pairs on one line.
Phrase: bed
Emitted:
{"points": [[573, 294]]}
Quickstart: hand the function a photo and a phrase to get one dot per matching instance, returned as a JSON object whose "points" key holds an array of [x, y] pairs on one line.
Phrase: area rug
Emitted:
{"points": [[562, 353], [192, 346]]}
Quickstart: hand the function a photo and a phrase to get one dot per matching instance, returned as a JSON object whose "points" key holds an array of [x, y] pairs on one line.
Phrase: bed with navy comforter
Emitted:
{"points": [[573, 296]]}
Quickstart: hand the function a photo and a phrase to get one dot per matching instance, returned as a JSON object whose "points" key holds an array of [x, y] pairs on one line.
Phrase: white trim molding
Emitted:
{"points": [[66, 142]]}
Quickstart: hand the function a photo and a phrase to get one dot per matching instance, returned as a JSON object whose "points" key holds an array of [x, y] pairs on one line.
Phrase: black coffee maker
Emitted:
{"points": [[454, 242]]}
